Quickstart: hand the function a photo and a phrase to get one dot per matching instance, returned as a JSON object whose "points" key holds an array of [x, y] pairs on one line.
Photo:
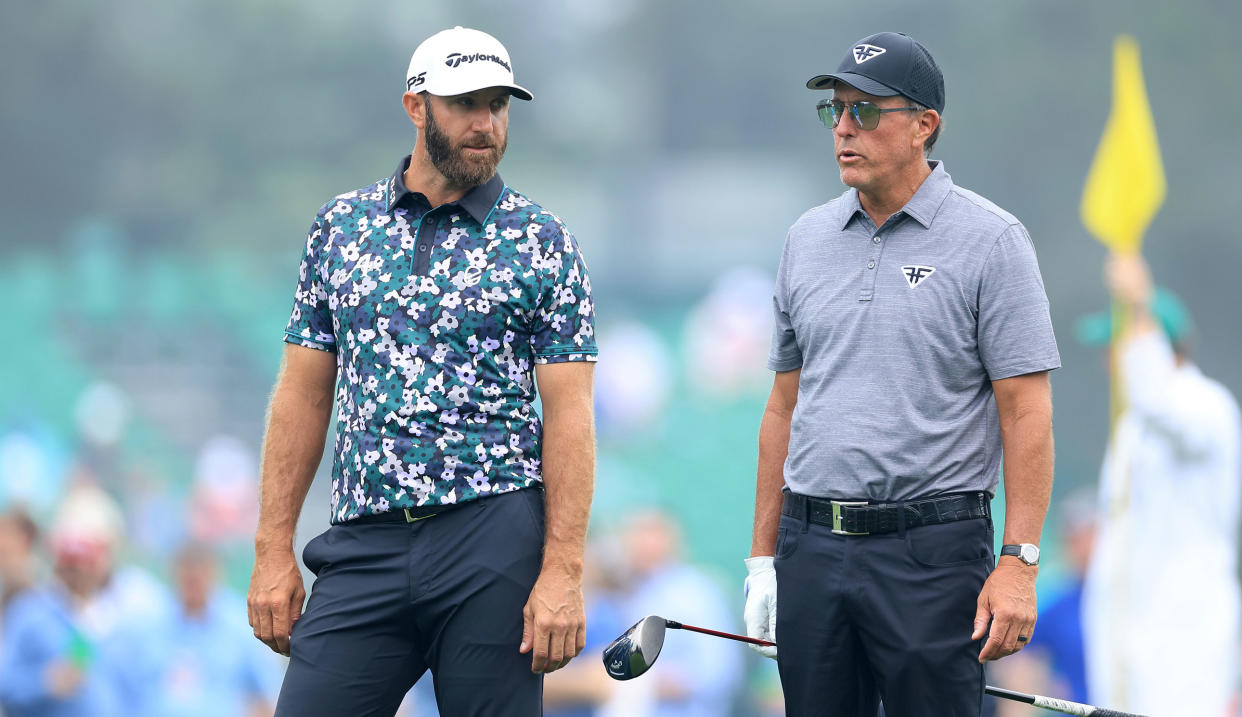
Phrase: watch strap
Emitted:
{"points": [[1016, 551]]}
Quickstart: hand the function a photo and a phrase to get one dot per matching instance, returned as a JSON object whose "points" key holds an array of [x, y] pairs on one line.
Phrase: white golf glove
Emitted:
{"points": [[760, 610]]}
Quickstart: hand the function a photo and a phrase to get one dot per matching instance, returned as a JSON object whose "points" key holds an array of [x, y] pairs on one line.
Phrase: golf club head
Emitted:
{"points": [[633, 653]]}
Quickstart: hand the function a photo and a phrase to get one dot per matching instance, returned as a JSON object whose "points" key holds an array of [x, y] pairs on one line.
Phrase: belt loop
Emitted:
{"points": [[901, 519], [806, 514]]}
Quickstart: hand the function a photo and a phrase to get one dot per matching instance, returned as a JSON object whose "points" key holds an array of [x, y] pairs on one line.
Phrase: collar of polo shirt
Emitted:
{"points": [[922, 207], [478, 202]]}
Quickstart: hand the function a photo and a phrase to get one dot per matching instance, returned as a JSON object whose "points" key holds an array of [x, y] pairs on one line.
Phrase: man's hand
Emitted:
{"points": [[275, 599], [553, 621], [1008, 601], [760, 612], [1128, 280]]}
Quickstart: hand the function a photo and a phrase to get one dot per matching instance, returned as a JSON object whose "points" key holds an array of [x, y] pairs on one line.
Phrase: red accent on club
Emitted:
{"points": [[674, 625]]}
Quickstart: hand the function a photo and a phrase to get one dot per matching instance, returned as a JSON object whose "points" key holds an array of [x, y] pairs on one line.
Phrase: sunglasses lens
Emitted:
{"points": [[868, 115], [827, 114]]}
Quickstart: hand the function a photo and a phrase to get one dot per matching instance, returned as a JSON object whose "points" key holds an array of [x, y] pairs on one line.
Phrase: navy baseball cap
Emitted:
{"points": [[887, 64]]}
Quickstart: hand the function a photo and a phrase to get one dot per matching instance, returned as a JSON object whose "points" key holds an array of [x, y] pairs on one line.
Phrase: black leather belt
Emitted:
{"points": [[422, 512], [849, 517], [403, 515]]}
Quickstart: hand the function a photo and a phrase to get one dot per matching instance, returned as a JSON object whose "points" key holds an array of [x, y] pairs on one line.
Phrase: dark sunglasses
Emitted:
{"points": [[866, 114]]}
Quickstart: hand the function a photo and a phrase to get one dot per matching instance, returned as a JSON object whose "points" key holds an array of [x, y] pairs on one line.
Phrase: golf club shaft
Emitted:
{"points": [[1050, 703], [674, 625]]}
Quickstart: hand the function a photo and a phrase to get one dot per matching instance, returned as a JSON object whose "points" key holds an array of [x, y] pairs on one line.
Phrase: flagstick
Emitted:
{"points": [[1125, 188], [1118, 508]]}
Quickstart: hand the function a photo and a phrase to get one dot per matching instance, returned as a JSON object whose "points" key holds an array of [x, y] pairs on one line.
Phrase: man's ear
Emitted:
{"points": [[415, 108], [929, 120]]}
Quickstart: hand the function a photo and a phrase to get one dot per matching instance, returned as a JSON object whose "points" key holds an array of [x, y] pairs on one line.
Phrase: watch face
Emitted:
{"points": [[1029, 553]]}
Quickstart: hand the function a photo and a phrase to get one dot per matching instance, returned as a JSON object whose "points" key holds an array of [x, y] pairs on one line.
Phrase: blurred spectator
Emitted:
{"points": [[155, 512], [1054, 663], [65, 649], [32, 468], [225, 495], [102, 414], [581, 688], [203, 657], [18, 536], [1161, 601], [632, 387], [697, 675], [728, 333]]}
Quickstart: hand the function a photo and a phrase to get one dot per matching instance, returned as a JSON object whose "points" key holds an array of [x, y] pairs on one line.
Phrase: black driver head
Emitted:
{"points": [[633, 653]]}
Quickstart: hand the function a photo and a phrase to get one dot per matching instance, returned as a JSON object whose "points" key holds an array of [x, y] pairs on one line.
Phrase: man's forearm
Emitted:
{"points": [[569, 482], [1026, 433], [773, 449], [297, 425], [770, 478]]}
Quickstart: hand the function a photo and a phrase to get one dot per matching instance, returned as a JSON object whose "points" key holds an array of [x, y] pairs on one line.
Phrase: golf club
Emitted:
{"points": [[635, 651]]}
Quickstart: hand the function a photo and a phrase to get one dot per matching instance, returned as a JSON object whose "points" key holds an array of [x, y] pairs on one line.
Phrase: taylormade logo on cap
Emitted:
{"points": [[461, 60], [456, 58]]}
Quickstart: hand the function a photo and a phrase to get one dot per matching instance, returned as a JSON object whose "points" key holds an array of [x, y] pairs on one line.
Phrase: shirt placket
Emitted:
{"points": [[424, 240], [875, 249]]}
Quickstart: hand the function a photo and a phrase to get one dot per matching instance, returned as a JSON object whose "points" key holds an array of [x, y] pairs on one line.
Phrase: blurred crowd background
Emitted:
{"points": [[162, 162]]}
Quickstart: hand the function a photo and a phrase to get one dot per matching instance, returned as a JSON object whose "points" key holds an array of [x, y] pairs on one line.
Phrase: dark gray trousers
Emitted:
{"points": [[392, 600], [888, 617]]}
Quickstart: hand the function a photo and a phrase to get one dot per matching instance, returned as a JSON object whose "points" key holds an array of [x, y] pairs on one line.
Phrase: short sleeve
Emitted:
{"points": [[784, 355], [310, 324], [1014, 329], [564, 323]]}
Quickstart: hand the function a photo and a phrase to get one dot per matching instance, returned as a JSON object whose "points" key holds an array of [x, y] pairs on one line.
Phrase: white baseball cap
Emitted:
{"points": [[461, 60]]}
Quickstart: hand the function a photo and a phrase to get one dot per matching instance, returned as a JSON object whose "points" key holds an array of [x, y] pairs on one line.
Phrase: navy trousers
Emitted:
{"points": [[392, 600], [886, 617]]}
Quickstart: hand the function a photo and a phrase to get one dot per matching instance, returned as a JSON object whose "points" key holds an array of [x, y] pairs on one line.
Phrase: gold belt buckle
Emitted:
{"points": [[837, 517]]}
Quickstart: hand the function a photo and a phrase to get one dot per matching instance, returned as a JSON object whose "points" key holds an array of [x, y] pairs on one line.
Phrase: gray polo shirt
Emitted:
{"points": [[899, 332]]}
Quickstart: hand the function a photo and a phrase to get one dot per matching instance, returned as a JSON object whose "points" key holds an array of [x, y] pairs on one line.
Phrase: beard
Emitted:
{"points": [[451, 160]]}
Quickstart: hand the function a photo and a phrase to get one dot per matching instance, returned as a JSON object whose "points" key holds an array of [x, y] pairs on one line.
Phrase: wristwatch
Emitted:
{"points": [[1026, 552]]}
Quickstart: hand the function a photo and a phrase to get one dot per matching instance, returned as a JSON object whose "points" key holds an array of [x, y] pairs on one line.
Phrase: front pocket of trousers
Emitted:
{"points": [[534, 499], [313, 555], [786, 542], [953, 544]]}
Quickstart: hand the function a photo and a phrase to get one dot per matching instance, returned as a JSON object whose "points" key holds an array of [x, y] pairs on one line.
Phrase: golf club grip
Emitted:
{"points": [[674, 625], [1051, 703]]}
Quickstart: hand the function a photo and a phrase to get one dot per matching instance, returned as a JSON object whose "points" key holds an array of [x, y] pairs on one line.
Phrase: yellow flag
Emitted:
{"points": [[1125, 186]]}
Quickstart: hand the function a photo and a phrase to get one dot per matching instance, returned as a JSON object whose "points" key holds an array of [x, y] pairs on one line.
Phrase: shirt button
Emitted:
{"points": [[422, 247], [876, 239], [871, 265]]}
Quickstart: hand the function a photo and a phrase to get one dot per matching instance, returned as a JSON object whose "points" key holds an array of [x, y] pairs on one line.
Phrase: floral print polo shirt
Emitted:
{"points": [[437, 318]]}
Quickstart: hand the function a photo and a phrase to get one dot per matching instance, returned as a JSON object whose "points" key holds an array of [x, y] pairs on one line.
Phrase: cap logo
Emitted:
{"points": [[865, 52], [415, 81], [916, 273], [456, 58]]}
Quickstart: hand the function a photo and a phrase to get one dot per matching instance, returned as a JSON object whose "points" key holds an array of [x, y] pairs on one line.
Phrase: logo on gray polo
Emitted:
{"points": [[865, 52], [916, 273]]}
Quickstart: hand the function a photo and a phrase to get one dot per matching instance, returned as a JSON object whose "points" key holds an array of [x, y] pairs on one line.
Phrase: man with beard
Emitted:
{"points": [[429, 305]]}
